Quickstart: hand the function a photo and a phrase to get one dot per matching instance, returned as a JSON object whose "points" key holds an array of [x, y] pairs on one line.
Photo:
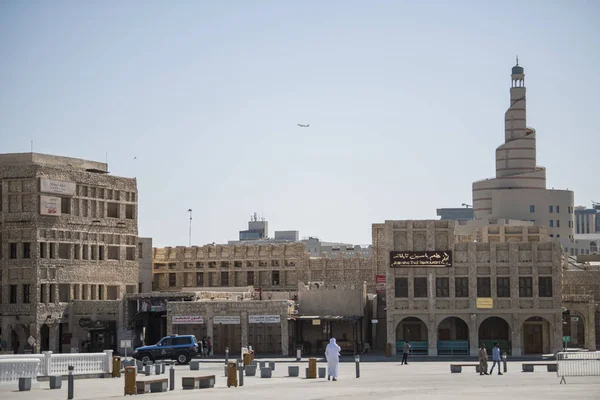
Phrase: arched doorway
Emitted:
{"points": [[414, 330], [44, 338], [495, 330], [453, 336], [574, 328], [536, 336]]}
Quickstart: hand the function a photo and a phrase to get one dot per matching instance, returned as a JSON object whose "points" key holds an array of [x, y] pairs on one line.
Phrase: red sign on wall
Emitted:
{"points": [[380, 283]]}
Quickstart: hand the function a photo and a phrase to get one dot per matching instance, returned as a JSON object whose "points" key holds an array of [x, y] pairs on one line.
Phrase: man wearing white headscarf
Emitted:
{"points": [[332, 354]]}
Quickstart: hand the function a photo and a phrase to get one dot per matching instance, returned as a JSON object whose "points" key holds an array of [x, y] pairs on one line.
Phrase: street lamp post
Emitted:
{"points": [[190, 233]]}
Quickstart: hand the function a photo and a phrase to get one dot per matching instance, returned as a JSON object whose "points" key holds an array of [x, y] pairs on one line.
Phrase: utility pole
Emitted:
{"points": [[190, 234]]}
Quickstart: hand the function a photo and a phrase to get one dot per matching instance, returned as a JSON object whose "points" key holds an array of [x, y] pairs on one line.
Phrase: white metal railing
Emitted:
{"points": [[11, 369], [577, 364], [50, 364]]}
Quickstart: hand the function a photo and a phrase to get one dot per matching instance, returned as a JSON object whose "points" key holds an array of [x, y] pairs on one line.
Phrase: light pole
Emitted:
{"points": [[190, 233]]}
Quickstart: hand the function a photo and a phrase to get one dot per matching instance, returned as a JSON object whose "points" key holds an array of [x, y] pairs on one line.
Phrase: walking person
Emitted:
{"points": [[405, 351], [496, 358], [332, 354], [483, 358]]}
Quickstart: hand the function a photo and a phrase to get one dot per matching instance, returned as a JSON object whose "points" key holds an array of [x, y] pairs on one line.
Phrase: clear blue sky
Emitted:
{"points": [[405, 101]]}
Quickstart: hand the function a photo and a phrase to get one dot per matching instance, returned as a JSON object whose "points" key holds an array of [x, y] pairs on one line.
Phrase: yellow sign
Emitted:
{"points": [[485, 302], [316, 322]]}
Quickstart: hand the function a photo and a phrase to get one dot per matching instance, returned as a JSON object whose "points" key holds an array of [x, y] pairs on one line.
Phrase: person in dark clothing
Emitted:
{"points": [[405, 351]]}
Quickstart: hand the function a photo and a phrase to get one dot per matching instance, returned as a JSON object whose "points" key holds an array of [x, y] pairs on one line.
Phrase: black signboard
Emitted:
{"points": [[400, 259]]}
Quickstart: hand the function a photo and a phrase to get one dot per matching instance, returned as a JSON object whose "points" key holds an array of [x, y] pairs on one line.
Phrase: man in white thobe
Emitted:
{"points": [[332, 354]]}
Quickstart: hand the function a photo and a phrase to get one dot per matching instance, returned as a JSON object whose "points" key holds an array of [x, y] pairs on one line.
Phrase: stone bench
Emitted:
{"points": [[250, 370], [457, 368], [265, 372], [152, 385], [198, 382], [293, 370], [528, 367], [322, 371], [194, 365]]}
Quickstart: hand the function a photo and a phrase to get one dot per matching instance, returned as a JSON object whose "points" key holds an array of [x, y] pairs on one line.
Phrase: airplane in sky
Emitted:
{"points": [[303, 126]]}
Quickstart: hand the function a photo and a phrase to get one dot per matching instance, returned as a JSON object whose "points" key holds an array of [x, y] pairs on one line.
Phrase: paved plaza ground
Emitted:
{"points": [[378, 380]]}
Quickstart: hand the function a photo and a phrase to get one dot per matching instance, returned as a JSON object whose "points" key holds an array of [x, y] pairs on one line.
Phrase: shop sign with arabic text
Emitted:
{"points": [[399, 259]]}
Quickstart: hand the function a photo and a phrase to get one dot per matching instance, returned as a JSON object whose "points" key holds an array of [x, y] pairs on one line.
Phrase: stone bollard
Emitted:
{"points": [[172, 376], [272, 365], [265, 372], [194, 365], [263, 364], [147, 370], [293, 370], [322, 372], [157, 369], [162, 368], [70, 383]]}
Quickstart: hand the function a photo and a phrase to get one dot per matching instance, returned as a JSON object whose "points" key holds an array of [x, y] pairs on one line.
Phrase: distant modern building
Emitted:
{"points": [[518, 191], [457, 214], [587, 220], [257, 229]]}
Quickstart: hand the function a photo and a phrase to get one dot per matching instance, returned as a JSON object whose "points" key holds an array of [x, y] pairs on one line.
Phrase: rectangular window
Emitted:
{"points": [[551, 223], [26, 294], [64, 251], [558, 223], [12, 251], [199, 279], [275, 278], [550, 209], [250, 278], [112, 210], [42, 250], [442, 287], [130, 211], [545, 286], [13, 294], [224, 278], [484, 288], [420, 287], [130, 253], [64, 293], [65, 205], [401, 287], [525, 287], [172, 280], [27, 250], [51, 248], [113, 252], [42, 293], [77, 252], [100, 292], [503, 287], [557, 209], [461, 287], [51, 290], [140, 250], [211, 279], [100, 253], [532, 209], [86, 252]]}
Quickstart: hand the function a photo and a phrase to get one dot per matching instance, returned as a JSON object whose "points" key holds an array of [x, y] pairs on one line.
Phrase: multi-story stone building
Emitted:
{"points": [[447, 293], [68, 236], [265, 266]]}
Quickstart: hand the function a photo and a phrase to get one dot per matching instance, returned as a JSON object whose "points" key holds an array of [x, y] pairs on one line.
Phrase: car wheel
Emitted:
{"points": [[145, 358], [183, 358]]}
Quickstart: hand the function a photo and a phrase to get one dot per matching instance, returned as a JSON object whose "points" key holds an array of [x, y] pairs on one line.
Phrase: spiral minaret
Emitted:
{"points": [[516, 158]]}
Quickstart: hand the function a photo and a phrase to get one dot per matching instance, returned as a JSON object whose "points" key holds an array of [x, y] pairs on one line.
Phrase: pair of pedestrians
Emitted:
{"points": [[483, 358]]}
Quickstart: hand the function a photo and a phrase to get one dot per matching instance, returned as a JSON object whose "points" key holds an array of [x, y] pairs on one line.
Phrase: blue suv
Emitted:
{"points": [[181, 348]]}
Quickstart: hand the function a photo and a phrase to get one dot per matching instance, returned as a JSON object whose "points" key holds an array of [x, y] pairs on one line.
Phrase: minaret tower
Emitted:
{"points": [[517, 154]]}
